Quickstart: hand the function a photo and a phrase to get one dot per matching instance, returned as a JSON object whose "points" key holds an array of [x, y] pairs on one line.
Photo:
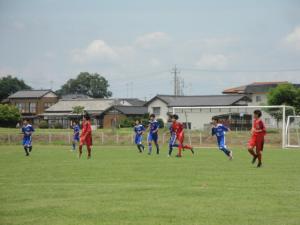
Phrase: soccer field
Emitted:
{"points": [[120, 186]]}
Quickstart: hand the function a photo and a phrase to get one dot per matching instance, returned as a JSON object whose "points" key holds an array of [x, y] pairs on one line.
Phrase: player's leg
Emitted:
{"points": [[137, 142], [89, 151], [186, 146], [180, 146], [80, 147], [25, 146], [259, 149], [251, 145], [149, 139], [172, 143], [223, 147], [155, 139]]}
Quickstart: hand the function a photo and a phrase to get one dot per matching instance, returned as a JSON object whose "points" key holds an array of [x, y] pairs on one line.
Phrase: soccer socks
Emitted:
{"points": [[259, 156], [225, 150], [89, 150], [150, 148], [30, 148], [157, 148], [252, 153], [26, 150], [74, 146], [80, 151], [139, 146]]}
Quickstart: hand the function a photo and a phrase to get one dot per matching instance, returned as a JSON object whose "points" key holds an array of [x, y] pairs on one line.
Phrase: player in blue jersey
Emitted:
{"points": [[139, 130], [76, 134], [27, 131], [219, 130], [153, 134]]}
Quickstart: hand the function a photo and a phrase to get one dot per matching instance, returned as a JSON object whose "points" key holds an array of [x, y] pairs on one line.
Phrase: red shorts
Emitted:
{"points": [[256, 142], [86, 141], [180, 137]]}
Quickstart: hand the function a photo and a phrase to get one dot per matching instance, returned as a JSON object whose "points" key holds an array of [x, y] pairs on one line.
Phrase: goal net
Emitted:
{"points": [[292, 131], [239, 119]]}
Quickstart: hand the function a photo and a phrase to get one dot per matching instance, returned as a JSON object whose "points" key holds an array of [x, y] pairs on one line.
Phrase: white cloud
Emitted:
{"points": [[212, 61], [152, 40], [97, 50], [293, 38]]}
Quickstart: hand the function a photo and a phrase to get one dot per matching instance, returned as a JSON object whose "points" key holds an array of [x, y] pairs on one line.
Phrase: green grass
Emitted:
{"points": [[120, 186]]}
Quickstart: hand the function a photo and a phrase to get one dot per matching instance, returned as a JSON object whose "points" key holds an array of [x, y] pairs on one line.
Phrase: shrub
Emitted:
{"points": [[9, 116], [58, 125], [43, 124]]}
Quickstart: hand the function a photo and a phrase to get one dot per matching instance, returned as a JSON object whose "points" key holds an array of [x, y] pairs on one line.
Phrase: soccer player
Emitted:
{"points": [[178, 129], [86, 136], [27, 131], [172, 141], [153, 134], [258, 132], [76, 134], [220, 130], [139, 130]]}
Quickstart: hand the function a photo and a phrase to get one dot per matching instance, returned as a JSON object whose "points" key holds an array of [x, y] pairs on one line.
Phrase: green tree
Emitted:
{"points": [[92, 85], [283, 94], [10, 85], [79, 110], [9, 116]]}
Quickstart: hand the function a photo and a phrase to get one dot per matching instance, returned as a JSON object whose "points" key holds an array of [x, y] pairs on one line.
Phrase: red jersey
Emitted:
{"points": [[86, 129], [177, 127], [258, 124]]}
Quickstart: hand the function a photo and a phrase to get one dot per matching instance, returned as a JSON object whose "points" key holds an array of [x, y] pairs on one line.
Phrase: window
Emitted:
{"points": [[21, 106], [258, 98], [32, 107], [156, 110], [47, 105]]}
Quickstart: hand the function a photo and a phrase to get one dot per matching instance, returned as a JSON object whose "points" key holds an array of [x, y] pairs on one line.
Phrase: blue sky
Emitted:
{"points": [[134, 44]]}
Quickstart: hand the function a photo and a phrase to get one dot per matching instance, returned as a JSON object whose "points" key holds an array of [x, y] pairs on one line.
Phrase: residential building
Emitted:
{"points": [[31, 103]]}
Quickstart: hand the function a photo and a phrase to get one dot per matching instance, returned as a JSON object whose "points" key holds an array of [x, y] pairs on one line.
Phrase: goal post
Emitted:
{"points": [[239, 118], [292, 131]]}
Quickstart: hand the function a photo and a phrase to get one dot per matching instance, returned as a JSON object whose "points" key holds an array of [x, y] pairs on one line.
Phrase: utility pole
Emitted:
{"points": [[175, 71]]}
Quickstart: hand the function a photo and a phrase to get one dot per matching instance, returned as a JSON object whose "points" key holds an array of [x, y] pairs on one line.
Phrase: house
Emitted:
{"points": [[31, 103], [98, 108], [114, 114], [162, 107], [258, 92]]}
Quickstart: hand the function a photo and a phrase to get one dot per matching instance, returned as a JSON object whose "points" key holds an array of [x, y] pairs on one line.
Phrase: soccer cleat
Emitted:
{"points": [[230, 155], [178, 156], [259, 164], [254, 159]]}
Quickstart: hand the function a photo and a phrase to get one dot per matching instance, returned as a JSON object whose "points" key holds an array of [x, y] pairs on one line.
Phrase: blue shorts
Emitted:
{"points": [[76, 138], [221, 142], [172, 139], [27, 141], [153, 137], [138, 139]]}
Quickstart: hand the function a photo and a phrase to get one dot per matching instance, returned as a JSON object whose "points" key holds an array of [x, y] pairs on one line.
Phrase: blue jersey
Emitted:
{"points": [[220, 131], [138, 129], [27, 130], [76, 134], [153, 126], [76, 130]]}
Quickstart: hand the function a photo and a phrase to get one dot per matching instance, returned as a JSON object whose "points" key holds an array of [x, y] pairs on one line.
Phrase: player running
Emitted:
{"points": [[178, 134], [86, 136], [153, 134], [76, 134], [27, 131], [220, 130], [139, 130], [258, 132]]}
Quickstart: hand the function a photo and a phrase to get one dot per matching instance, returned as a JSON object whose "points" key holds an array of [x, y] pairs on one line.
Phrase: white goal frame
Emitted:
{"points": [[282, 107], [287, 133]]}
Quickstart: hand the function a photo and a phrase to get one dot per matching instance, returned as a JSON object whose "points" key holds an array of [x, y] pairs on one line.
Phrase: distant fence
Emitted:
{"points": [[197, 139]]}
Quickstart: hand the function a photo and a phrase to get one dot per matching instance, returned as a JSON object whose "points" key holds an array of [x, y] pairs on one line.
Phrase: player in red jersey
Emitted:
{"points": [[86, 136], [177, 127], [258, 132]]}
